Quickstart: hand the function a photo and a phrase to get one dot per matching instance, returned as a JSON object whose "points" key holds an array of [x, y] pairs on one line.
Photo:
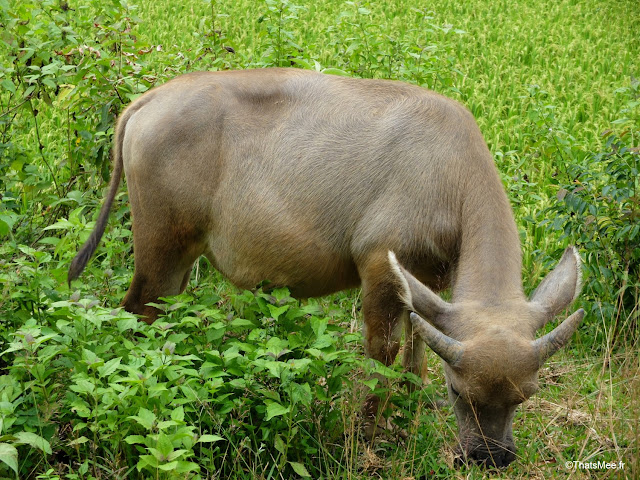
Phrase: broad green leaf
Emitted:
{"points": [[61, 225], [275, 368], [386, 371], [89, 357], [311, 309], [279, 444], [277, 311], [8, 85], [164, 445], [27, 250], [371, 383], [208, 438], [280, 293], [127, 324], [167, 423], [9, 218], [145, 417], [301, 393], [9, 455], [215, 332], [80, 407], [147, 460], [36, 441], [277, 346], [241, 323], [319, 325], [110, 367], [50, 69], [82, 385], [231, 353], [299, 364], [15, 346], [176, 454], [240, 383], [335, 71], [184, 467], [413, 378], [177, 414], [300, 469], [131, 439], [274, 409], [78, 441], [323, 341], [51, 84], [157, 454], [168, 466]]}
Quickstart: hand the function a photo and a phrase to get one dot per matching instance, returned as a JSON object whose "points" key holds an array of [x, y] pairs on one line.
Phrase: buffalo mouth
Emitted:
{"points": [[495, 458]]}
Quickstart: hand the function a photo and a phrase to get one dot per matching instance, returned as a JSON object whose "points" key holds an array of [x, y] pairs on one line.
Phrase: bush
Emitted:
{"points": [[236, 389], [598, 209]]}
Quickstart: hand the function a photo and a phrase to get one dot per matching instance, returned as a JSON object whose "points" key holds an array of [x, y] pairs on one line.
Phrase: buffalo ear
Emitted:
{"points": [[561, 286], [415, 295]]}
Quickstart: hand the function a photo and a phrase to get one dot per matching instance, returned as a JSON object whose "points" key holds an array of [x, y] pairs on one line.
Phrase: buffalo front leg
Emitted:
{"points": [[383, 314], [164, 256]]}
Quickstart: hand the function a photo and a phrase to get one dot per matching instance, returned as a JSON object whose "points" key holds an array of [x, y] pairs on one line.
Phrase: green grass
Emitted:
{"points": [[534, 74]]}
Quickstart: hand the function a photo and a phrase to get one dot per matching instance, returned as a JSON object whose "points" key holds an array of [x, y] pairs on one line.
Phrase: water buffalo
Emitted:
{"points": [[310, 181]]}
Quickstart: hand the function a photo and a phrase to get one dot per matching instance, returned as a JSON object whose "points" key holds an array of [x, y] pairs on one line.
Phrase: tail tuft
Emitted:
{"points": [[81, 259]]}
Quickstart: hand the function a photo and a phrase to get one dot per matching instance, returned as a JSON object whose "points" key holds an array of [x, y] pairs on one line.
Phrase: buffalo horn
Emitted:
{"points": [[445, 347], [558, 337]]}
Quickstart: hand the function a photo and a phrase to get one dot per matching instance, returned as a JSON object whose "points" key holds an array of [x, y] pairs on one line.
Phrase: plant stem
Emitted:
{"points": [[41, 148]]}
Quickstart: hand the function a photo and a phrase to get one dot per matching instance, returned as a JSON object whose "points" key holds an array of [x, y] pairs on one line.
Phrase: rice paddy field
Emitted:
{"points": [[232, 384]]}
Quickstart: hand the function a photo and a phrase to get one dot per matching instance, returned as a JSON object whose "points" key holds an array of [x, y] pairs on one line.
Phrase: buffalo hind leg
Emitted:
{"points": [[163, 263], [384, 315]]}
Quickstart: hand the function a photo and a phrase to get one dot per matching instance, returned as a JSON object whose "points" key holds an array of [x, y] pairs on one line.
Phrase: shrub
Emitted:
{"points": [[598, 209], [236, 389]]}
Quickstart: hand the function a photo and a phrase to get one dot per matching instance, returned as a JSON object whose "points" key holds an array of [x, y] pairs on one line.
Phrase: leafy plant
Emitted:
{"points": [[280, 48], [598, 209], [365, 47], [66, 74], [199, 382]]}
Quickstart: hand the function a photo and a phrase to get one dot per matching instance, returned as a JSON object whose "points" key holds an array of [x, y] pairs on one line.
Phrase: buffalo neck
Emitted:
{"points": [[489, 264]]}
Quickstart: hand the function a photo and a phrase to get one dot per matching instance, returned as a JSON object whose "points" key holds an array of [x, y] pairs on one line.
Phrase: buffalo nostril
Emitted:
{"points": [[492, 461], [497, 459]]}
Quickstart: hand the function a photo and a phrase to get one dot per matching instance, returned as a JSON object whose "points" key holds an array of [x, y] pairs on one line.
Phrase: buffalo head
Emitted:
{"points": [[490, 352]]}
